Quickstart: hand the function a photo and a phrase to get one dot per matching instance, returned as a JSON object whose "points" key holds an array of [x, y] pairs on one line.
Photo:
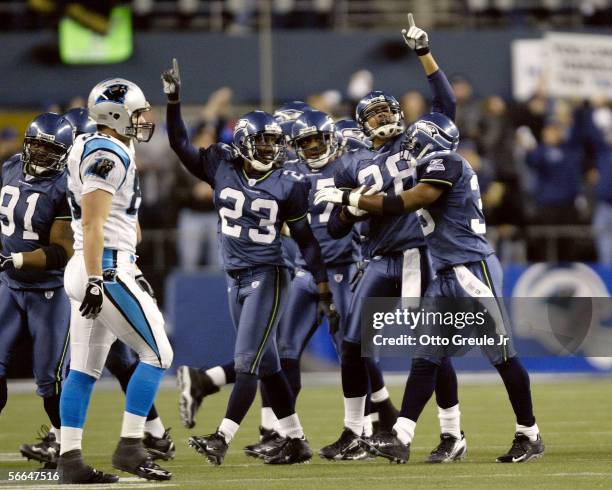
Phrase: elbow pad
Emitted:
{"points": [[57, 257]]}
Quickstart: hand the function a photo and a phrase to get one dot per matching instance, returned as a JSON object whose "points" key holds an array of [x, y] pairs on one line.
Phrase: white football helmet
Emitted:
{"points": [[118, 103]]}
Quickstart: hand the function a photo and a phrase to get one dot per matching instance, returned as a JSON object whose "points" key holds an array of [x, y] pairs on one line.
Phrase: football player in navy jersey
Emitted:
{"points": [[447, 197], [398, 258], [36, 243], [254, 197]]}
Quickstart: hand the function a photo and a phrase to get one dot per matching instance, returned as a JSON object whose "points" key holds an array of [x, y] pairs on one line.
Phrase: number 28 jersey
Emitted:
{"points": [[454, 225], [97, 161], [251, 210], [28, 208]]}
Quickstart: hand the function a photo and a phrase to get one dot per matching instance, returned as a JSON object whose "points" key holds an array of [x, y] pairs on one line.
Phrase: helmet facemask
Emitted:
{"points": [[139, 129], [316, 149], [265, 150], [43, 158], [389, 120]]}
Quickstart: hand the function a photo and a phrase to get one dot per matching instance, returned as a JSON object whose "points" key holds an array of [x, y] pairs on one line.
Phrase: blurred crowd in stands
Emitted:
{"points": [[239, 16], [541, 162]]}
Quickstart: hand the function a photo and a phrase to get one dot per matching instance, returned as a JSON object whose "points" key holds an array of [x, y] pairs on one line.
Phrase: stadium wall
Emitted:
{"points": [[203, 335], [305, 62]]}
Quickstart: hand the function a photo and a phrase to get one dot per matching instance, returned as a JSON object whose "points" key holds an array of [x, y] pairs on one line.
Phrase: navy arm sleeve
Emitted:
{"points": [[336, 226], [443, 97], [202, 163], [311, 251], [444, 172]]}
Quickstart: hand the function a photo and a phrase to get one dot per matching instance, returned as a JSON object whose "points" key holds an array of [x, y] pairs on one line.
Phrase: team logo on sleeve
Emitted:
{"points": [[101, 167], [436, 165]]}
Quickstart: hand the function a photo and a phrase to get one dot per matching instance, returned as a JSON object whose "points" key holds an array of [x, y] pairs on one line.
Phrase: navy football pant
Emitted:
{"points": [[44, 315]]}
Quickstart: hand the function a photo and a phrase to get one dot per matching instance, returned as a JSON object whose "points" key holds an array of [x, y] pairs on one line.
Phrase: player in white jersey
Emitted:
{"points": [[106, 302]]}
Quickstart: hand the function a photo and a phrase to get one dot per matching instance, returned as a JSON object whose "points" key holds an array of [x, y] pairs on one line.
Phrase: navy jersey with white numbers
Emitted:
{"points": [[386, 172], [252, 211], [335, 252], [453, 225], [28, 208]]}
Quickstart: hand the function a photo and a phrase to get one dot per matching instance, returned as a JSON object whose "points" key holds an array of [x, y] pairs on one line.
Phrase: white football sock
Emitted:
{"points": [[353, 414], [380, 395], [133, 425], [450, 421], [217, 374], [405, 429], [228, 429], [291, 427], [71, 439], [268, 418], [368, 430], [155, 427], [531, 432], [57, 432]]}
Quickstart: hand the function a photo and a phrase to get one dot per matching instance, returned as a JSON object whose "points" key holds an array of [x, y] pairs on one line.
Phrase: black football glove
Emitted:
{"points": [[92, 302], [171, 80], [327, 308], [6, 262], [145, 285]]}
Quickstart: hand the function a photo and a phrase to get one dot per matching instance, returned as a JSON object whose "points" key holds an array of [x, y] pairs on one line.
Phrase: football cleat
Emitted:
{"points": [[387, 445], [269, 440], [46, 451], [159, 447], [523, 450], [344, 448], [290, 451], [450, 449], [212, 446], [72, 469], [194, 386], [132, 457]]}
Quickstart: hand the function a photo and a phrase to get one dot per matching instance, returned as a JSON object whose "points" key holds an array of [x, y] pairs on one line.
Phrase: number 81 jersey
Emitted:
{"points": [[98, 161], [454, 225]]}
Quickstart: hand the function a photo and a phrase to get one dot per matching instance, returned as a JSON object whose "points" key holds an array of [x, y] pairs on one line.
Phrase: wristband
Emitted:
{"points": [[17, 260], [422, 51]]}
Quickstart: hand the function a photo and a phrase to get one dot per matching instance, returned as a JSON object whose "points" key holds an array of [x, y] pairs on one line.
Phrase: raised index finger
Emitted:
{"points": [[410, 20], [175, 66]]}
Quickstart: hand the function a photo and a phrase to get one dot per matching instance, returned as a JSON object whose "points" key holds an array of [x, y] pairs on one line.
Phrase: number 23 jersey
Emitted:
{"points": [[97, 161], [454, 225], [252, 210]]}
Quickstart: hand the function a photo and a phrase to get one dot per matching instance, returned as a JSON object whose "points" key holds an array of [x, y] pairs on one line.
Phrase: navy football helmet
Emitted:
{"points": [[47, 140], [80, 120], [431, 132], [260, 140], [314, 138], [388, 110], [350, 136], [286, 115]]}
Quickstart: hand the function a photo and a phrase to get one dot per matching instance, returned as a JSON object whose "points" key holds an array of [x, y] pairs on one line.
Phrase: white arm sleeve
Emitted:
{"points": [[102, 170]]}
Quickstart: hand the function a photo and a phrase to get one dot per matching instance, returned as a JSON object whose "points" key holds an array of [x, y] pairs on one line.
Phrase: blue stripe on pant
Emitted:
{"points": [[257, 298], [127, 304]]}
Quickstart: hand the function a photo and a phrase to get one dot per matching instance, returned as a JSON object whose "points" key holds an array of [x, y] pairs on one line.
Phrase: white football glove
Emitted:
{"points": [[416, 38], [171, 80], [329, 194], [356, 211]]}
